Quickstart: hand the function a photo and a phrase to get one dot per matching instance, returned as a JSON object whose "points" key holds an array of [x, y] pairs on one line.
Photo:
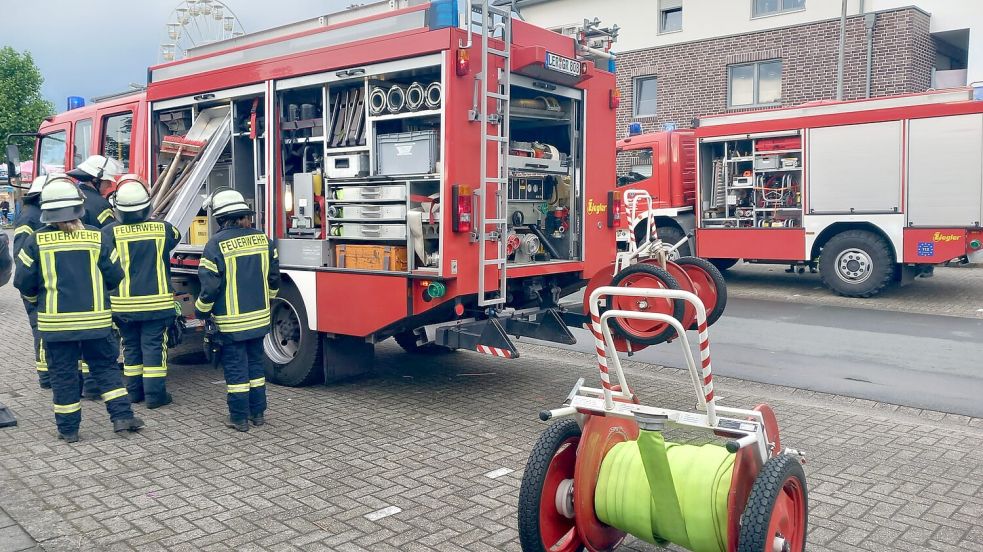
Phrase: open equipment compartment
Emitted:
{"points": [[752, 182]]}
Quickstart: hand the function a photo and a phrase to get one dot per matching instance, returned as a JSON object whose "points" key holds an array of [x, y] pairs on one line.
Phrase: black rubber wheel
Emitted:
{"points": [[668, 234], [724, 264], [407, 340], [293, 350], [856, 263], [641, 272], [718, 282], [778, 507], [552, 450]]}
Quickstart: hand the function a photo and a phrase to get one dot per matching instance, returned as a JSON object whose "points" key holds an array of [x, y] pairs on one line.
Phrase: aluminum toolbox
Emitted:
{"points": [[371, 257], [766, 162], [385, 192], [352, 165], [367, 211], [369, 231], [406, 153], [313, 253]]}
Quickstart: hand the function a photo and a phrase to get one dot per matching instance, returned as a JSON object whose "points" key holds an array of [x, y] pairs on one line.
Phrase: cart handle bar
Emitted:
{"points": [[604, 343]]}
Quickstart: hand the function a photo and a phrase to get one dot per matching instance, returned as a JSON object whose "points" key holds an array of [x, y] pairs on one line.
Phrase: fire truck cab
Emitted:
{"points": [[870, 192], [423, 166]]}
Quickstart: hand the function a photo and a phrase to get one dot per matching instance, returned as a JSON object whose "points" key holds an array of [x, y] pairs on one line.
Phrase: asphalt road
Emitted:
{"points": [[916, 360]]}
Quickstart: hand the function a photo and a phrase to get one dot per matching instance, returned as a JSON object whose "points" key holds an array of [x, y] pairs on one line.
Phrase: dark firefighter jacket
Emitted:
{"points": [[69, 276], [145, 254], [28, 222], [239, 275], [98, 211]]}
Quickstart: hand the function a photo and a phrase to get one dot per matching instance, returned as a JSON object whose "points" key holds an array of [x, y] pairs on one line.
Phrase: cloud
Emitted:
{"points": [[95, 47]]}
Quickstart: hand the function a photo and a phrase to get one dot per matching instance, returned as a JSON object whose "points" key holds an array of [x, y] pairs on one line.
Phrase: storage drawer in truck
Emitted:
{"points": [[369, 231], [370, 212], [385, 192]]}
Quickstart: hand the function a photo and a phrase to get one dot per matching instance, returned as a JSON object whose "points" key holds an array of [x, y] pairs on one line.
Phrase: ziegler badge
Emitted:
{"points": [[596, 208]]}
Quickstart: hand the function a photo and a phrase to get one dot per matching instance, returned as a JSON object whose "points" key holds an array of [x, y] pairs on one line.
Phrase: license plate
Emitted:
{"points": [[563, 65]]}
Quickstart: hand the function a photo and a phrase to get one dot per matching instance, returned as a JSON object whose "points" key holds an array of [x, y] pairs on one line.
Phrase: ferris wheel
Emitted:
{"points": [[196, 22]]}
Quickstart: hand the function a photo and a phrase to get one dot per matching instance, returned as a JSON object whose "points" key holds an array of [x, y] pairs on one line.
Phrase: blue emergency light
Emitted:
{"points": [[442, 14], [668, 127], [75, 102], [634, 129]]}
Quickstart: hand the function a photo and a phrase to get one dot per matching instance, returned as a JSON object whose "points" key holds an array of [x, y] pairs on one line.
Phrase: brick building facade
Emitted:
{"points": [[692, 77]]}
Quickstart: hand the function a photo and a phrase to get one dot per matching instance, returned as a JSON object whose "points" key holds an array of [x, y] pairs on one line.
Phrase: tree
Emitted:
{"points": [[22, 108]]}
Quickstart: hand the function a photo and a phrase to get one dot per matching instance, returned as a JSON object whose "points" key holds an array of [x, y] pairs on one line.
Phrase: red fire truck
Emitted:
{"points": [[425, 170], [870, 192]]}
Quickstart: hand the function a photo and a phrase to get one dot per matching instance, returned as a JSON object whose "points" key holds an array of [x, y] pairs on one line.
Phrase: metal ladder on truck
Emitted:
{"points": [[492, 223]]}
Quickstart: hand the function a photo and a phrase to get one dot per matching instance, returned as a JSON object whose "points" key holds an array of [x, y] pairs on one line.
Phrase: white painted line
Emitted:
{"points": [[495, 474], [385, 512]]}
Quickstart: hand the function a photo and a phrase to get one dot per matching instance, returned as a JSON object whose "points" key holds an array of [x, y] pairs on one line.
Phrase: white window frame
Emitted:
{"points": [[756, 84], [636, 87], [780, 11], [670, 5]]}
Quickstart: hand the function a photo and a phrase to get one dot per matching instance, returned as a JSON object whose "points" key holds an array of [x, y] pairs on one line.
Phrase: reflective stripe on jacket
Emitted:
{"points": [[145, 255]]}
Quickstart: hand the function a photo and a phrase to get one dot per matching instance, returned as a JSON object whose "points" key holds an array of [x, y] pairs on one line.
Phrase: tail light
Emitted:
{"points": [[614, 100], [614, 209], [461, 202], [463, 65]]}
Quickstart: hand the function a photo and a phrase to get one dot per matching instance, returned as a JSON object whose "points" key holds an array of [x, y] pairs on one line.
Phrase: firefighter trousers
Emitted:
{"points": [[145, 358], [63, 365], [245, 378], [40, 362]]}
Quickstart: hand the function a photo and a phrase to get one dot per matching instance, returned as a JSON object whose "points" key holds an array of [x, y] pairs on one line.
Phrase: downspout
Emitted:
{"points": [[869, 21], [840, 62]]}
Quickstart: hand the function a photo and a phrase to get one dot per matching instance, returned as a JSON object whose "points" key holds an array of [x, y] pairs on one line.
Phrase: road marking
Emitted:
{"points": [[385, 512], [495, 474]]}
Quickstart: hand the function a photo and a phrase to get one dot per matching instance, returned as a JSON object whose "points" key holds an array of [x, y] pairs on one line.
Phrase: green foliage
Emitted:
{"points": [[22, 108]]}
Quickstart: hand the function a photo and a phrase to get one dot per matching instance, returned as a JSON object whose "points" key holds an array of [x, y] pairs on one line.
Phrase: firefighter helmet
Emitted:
{"points": [[227, 203], [97, 167], [61, 200], [36, 186], [131, 200]]}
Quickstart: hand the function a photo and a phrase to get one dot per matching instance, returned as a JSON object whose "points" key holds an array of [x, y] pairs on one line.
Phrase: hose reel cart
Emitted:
{"points": [[606, 470]]}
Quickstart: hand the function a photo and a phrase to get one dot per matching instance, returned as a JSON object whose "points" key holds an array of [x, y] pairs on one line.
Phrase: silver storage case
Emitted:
{"points": [[385, 192], [356, 212], [312, 253], [369, 231], [352, 165], [766, 162], [406, 153]]}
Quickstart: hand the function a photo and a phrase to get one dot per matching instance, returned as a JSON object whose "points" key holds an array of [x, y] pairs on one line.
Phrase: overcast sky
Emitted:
{"points": [[94, 47]]}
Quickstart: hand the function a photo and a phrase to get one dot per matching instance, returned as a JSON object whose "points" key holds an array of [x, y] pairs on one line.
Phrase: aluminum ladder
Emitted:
{"points": [[492, 223]]}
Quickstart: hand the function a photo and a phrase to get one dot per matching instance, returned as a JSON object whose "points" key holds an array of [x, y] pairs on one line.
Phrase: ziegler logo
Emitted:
{"points": [[940, 237], [595, 208]]}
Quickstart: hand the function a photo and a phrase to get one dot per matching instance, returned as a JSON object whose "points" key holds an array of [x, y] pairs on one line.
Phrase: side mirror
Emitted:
{"points": [[13, 161]]}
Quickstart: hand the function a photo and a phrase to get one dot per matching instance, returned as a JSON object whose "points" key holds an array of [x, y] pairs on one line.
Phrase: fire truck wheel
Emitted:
{"points": [[407, 340], [777, 510], [672, 235], [646, 332], [546, 517], [710, 285], [856, 263], [293, 350], [723, 264]]}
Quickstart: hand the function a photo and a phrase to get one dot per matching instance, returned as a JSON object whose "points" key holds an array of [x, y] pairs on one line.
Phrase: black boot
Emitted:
{"points": [[238, 425], [127, 424], [257, 420], [72, 437], [154, 402]]}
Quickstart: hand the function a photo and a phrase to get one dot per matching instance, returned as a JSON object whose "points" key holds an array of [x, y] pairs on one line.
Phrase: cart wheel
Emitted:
{"points": [[603, 277], [710, 286], [646, 276], [777, 510], [546, 519], [685, 284]]}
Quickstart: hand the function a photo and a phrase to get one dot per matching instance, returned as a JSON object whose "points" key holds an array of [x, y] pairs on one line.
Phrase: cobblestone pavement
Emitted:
{"points": [[12, 537], [402, 460], [954, 291]]}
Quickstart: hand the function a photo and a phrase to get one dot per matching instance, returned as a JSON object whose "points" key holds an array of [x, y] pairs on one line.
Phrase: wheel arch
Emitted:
{"points": [[305, 282], [684, 222], [839, 227]]}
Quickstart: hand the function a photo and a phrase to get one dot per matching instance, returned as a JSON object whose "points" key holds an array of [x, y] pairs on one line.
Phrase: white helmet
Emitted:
{"points": [[36, 186], [97, 167], [226, 202], [131, 194], [61, 200]]}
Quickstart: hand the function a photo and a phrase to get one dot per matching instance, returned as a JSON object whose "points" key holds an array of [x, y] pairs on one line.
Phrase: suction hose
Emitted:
{"points": [[660, 491]]}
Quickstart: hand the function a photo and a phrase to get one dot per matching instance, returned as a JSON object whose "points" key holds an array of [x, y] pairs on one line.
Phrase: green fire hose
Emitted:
{"points": [[660, 491]]}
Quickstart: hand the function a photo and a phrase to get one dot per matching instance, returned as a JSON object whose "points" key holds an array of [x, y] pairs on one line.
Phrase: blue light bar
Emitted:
{"points": [[75, 102], [634, 129], [442, 14]]}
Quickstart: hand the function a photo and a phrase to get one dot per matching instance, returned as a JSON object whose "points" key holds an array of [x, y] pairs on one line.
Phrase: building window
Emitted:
{"points": [[754, 84], [761, 8], [645, 94], [670, 16], [116, 138]]}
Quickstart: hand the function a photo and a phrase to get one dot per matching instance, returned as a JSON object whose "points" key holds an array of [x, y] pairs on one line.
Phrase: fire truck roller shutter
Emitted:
{"points": [[294, 351]]}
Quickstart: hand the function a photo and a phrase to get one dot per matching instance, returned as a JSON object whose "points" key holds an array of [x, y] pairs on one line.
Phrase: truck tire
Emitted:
{"points": [[293, 350], [723, 264], [668, 234], [856, 263], [407, 340]]}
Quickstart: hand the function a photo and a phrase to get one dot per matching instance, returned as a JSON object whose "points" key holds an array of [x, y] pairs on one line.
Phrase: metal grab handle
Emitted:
{"points": [[703, 381], [371, 191], [371, 229]]}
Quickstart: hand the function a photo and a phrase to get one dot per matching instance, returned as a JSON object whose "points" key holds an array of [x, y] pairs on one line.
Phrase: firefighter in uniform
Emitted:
{"points": [[28, 222], [239, 275], [144, 306], [67, 269], [95, 175]]}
